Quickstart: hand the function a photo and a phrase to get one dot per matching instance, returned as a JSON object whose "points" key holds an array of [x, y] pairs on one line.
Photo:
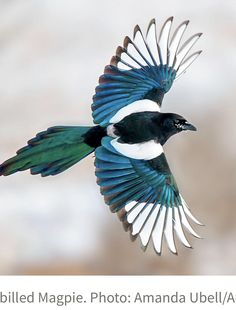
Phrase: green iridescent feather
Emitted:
{"points": [[50, 152]]}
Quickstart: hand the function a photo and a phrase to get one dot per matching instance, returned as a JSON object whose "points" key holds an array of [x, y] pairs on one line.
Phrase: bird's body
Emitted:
{"points": [[141, 127], [128, 137]]}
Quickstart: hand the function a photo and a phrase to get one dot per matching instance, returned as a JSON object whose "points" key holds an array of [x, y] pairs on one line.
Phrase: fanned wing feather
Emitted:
{"points": [[145, 196], [186, 63], [151, 40], [144, 68], [184, 50], [175, 41], [163, 42], [142, 47]]}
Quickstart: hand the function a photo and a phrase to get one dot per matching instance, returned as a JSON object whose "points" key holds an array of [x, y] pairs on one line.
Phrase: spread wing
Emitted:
{"points": [[144, 68], [145, 195]]}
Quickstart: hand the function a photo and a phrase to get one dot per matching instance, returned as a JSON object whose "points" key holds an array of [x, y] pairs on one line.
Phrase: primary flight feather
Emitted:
{"points": [[128, 137]]}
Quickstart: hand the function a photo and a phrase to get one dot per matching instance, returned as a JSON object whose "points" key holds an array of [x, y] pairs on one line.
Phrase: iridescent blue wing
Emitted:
{"points": [[145, 195], [144, 68]]}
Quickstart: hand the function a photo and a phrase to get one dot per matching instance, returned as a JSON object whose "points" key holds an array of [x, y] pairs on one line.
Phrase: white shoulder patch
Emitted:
{"points": [[145, 150], [110, 131], [143, 105]]}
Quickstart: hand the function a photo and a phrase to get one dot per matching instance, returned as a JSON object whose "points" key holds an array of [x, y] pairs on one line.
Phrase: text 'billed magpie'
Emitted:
{"points": [[128, 140]]}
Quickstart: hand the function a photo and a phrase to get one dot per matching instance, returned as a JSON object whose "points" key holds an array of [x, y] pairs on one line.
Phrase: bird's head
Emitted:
{"points": [[178, 123], [169, 124]]}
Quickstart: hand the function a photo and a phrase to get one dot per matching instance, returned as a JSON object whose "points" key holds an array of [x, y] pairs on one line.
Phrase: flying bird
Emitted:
{"points": [[128, 137]]}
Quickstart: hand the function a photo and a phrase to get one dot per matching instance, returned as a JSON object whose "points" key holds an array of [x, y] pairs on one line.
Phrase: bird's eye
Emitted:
{"points": [[179, 124]]}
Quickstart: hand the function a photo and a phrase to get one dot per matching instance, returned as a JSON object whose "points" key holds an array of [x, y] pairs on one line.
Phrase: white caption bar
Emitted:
{"points": [[118, 292]]}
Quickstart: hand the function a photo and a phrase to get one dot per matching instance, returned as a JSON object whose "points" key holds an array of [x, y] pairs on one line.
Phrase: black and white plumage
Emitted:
{"points": [[139, 185], [128, 140], [143, 69], [145, 195]]}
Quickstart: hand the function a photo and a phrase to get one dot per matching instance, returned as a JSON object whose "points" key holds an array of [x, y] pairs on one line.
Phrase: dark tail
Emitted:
{"points": [[54, 150]]}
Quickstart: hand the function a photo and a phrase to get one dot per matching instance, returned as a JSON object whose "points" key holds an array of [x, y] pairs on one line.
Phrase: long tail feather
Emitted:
{"points": [[50, 152]]}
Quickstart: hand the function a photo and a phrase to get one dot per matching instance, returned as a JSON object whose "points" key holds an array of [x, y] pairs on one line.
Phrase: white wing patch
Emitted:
{"points": [[141, 45], [175, 41], [145, 234], [164, 41], [151, 39], [151, 51], [186, 63], [168, 232], [145, 150], [158, 230], [183, 51], [151, 221]]}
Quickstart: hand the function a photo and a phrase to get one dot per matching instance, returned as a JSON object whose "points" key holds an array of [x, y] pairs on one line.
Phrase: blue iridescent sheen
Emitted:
{"points": [[138, 180], [118, 88]]}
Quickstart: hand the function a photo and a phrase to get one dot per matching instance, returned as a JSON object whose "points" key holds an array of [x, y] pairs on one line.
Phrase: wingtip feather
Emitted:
{"points": [[152, 22], [136, 29]]}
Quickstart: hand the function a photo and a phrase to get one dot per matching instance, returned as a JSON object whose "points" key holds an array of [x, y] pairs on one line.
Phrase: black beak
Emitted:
{"points": [[188, 126]]}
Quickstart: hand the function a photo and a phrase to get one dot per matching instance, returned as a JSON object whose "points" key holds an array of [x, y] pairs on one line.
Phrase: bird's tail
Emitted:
{"points": [[50, 152]]}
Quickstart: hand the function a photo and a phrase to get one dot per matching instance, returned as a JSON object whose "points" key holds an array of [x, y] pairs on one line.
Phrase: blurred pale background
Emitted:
{"points": [[51, 55]]}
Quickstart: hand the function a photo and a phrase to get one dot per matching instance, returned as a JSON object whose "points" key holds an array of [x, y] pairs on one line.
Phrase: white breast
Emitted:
{"points": [[145, 150], [143, 105]]}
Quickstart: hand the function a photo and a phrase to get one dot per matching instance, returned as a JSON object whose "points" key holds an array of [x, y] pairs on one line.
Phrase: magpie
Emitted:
{"points": [[127, 137]]}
